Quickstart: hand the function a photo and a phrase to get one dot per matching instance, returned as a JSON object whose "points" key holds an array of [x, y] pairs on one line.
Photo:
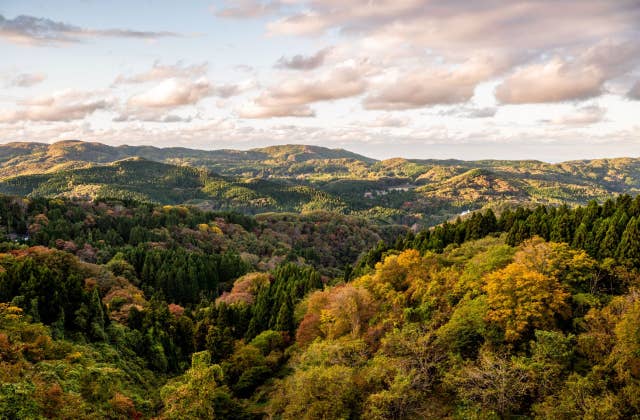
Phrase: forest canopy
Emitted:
{"points": [[126, 310]]}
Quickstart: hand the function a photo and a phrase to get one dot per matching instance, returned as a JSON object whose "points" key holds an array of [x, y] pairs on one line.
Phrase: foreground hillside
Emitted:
{"points": [[119, 310], [306, 178]]}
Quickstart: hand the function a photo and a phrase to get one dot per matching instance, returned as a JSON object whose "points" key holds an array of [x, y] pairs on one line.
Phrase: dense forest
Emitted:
{"points": [[122, 309]]}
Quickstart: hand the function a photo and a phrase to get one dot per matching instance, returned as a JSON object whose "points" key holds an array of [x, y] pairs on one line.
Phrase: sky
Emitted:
{"points": [[497, 79]]}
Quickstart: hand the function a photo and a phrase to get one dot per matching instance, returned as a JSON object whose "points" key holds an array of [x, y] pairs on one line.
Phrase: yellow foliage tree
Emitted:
{"points": [[626, 352], [520, 299], [396, 278], [574, 267]]}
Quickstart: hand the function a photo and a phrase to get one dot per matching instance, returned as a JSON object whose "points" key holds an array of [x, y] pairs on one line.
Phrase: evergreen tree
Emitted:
{"points": [[629, 248]]}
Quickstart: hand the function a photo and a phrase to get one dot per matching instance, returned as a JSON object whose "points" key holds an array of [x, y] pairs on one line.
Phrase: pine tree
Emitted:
{"points": [[96, 317], [629, 248], [284, 320], [580, 237], [609, 244]]}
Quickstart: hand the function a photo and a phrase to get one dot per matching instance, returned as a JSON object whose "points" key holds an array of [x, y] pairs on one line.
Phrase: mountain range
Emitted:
{"points": [[302, 178]]}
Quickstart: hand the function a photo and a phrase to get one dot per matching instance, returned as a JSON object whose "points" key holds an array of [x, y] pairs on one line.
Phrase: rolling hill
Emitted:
{"points": [[155, 182], [300, 178]]}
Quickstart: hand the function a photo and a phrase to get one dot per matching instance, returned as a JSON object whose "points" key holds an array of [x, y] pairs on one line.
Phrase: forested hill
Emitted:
{"points": [[26, 158], [119, 310], [306, 178]]}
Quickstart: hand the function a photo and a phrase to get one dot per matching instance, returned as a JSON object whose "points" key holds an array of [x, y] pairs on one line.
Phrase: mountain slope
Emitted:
{"points": [[148, 181], [30, 158], [301, 177]]}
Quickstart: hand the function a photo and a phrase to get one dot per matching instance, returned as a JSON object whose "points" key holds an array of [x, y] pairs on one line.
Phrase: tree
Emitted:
{"points": [[521, 299], [284, 320], [199, 393], [584, 397], [219, 342], [628, 250], [318, 393], [551, 357], [496, 384], [465, 330]]}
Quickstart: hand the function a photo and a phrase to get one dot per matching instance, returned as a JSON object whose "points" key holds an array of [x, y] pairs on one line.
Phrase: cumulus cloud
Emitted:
{"points": [[301, 62], [553, 81], [292, 96], [176, 92], [26, 80], [173, 92], [433, 86], [65, 105], [163, 71], [32, 30], [174, 86], [564, 79], [582, 116], [179, 84], [527, 24], [528, 32]]}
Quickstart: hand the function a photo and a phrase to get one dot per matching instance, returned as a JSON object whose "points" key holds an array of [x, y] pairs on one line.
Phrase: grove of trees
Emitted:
{"points": [[125, 310]]}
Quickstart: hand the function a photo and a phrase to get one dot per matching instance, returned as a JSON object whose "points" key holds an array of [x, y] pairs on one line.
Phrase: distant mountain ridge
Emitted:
{"points": [[303, 177], [76, 150]]}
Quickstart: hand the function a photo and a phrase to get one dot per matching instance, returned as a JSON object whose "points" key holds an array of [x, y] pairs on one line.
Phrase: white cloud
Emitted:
{"points": [[528, 32], [563, 79], [292, 96], [65, 105], [389, 55], [433, 86], [173, 92], [175, 86], [553, 81], [523, 24]]}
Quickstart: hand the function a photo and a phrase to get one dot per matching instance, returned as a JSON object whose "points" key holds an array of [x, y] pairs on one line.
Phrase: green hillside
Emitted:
{"points": [[148, 181], [303, 178]]}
